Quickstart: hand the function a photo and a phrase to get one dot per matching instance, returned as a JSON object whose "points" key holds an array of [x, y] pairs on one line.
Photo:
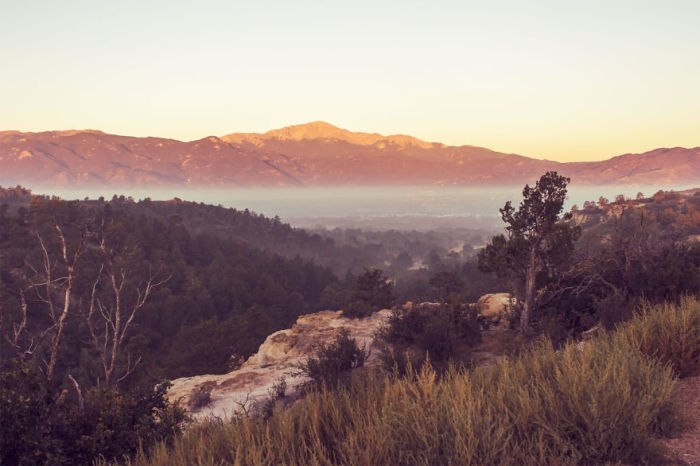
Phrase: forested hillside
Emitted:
{"points": [[225, 278], [342, 250], [201, 297]]}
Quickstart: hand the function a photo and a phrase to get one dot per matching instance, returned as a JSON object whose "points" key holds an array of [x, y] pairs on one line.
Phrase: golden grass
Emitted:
{"points": [[669, 333], [603, 401]]}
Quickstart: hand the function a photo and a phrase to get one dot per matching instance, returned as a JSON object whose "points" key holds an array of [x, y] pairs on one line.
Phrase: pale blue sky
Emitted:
{"points": [[562, 80]]}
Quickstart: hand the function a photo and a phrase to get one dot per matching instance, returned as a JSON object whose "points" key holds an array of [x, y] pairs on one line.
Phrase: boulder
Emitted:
{"points": [[495, 308]]}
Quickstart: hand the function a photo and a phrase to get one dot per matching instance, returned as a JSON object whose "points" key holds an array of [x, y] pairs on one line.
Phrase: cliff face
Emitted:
{"points": [[277, 357]]}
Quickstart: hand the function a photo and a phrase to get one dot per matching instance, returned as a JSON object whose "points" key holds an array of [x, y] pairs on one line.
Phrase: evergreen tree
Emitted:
{"points": [[537, 240]]}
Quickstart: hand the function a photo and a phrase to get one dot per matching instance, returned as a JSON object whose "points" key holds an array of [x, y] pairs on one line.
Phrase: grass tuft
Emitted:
{"points": [[668, 333]]}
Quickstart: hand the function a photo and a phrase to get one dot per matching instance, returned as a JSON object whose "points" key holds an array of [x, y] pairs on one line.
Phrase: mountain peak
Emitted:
{"points": [[320, 130], [74, 132], [313, 130]]}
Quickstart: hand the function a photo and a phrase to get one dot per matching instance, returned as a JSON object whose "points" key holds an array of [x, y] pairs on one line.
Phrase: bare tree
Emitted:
{"points": [[54, 288], [109, 316]]}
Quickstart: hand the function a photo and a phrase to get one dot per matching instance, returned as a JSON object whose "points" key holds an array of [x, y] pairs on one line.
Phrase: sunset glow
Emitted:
{"points": [[556, 80]]}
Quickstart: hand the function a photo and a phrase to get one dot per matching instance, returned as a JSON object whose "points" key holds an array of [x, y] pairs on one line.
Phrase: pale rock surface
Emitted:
{"points": [[495, 307], [277, 357]]}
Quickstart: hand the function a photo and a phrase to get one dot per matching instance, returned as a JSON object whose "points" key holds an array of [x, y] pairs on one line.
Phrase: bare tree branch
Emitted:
{"points": [[81, 402]]}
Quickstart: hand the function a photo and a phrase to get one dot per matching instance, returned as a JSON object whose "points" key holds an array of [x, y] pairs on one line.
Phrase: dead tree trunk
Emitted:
{"points": [[56, 293], [108, 319]]}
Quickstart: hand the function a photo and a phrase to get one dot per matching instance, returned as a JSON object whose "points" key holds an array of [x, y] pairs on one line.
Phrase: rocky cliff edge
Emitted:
{"points": [[278, 357]]}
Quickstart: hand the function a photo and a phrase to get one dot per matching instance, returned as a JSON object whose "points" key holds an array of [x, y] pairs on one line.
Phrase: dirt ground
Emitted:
{"points": [[685, 450]]}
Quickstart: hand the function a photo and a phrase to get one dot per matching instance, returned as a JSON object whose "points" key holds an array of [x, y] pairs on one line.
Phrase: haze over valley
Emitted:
{"points": [[402, 208]]}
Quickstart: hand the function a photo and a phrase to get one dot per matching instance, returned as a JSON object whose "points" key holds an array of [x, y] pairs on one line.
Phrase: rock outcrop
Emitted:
{"points": [[277, 358], [495, 308]]}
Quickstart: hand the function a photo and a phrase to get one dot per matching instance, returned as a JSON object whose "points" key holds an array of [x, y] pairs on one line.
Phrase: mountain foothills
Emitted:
{"points": [[314, 154]]}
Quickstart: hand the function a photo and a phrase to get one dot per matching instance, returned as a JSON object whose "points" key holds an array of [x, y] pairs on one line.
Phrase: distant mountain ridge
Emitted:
{"points": [[313, 154]]}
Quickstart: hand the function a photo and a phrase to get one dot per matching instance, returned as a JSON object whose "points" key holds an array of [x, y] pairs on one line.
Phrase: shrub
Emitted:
{"points": [[331, 364], [37, 428], [443, 333], [279, 388], [266, 407], [200, 397], [117, 424], [24, 409]]}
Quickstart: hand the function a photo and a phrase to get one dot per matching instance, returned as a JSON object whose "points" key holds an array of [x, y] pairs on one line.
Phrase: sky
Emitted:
{"points": [[560, 80]]}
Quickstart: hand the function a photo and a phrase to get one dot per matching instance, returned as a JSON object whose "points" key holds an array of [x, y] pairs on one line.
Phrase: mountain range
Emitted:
{"points": [[313, 154]]}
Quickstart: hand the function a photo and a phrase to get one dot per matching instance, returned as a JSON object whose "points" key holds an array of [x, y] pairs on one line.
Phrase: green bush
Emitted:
{"points": [[443, 333], [332, 363]]}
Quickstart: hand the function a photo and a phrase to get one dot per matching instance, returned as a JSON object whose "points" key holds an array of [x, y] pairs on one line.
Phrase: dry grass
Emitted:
{"points": [[605, 401], [669, 333]]}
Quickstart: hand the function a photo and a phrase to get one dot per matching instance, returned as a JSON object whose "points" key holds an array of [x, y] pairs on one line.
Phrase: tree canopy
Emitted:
{"points": [[372, 291]]}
